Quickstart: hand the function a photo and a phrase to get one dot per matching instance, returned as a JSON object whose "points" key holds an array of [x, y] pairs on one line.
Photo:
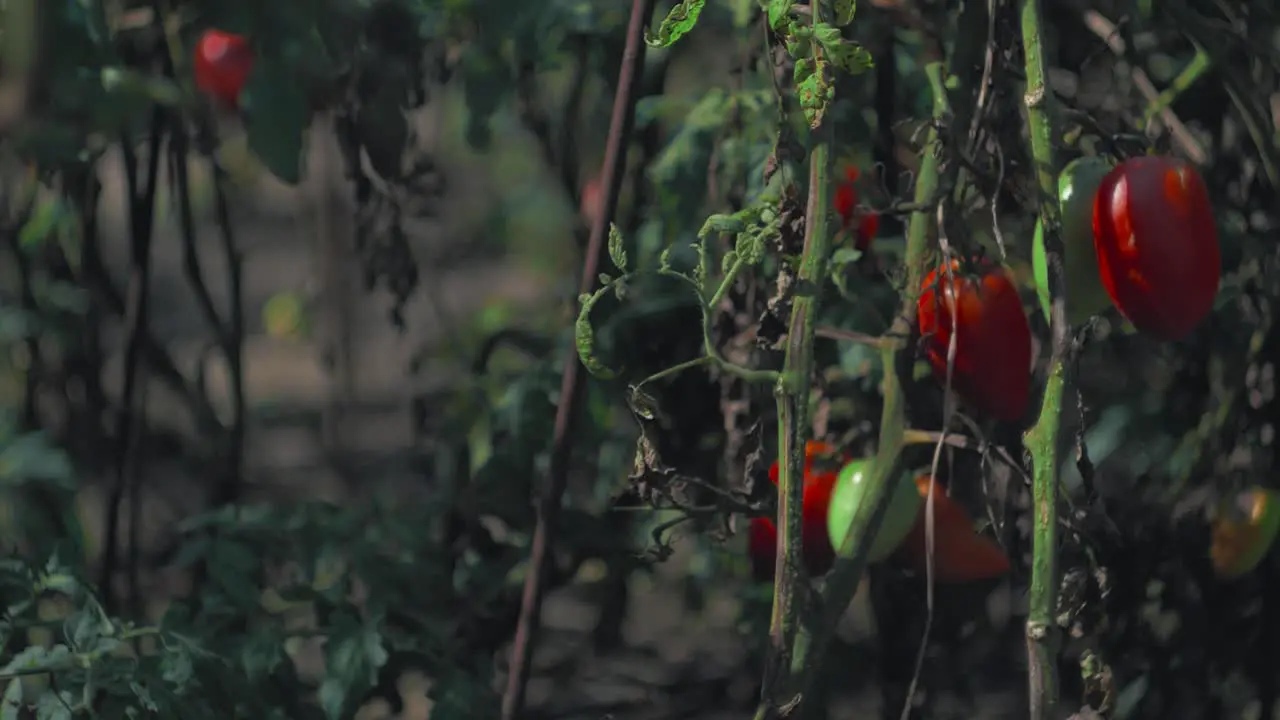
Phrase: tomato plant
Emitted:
{"points": [[1243, 534], [1077, 187], [222, 65], [1157, 245], [863, 224], [959, 553], [849, 493], [992, 368], [819, 480]]}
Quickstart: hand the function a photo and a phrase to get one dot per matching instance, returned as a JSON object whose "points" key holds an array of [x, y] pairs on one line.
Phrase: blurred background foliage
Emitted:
{"points": [[279, 383]]}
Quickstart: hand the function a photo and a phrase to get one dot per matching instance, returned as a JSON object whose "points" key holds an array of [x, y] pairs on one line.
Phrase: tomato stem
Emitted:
{"points": [[791, 394], [1042, 439], [851, 556]]}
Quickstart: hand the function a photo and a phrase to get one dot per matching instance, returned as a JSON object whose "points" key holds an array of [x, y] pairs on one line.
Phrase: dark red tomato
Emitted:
{"points": [[1157, 245], [223, 62], [992, 369], [959, 553], [822, 465], [862, 223]]}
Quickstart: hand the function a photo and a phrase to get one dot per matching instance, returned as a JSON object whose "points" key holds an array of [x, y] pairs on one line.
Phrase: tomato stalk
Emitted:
{"points": [[1042, 439], [791, 392], [851, 557]]}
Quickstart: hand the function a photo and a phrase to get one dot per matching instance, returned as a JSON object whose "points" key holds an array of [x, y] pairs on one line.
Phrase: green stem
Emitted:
{"points": [[1196, 69], [851, 559], [1042, 439], [792, 396]]}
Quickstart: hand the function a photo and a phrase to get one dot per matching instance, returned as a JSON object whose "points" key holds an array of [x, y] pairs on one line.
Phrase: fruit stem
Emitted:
{"points": [[1042, 439]]}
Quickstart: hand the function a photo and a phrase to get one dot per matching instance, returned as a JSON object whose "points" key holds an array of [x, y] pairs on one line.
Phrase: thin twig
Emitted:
{"points": [[141, 208], [1107, 32], [573, 379]]}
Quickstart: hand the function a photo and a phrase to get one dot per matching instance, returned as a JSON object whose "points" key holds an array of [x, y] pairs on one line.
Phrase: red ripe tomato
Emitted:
{"points": [[959, 553], [864, 225], [222, 65], [821, 468], [992, 369], [1157, 245]]}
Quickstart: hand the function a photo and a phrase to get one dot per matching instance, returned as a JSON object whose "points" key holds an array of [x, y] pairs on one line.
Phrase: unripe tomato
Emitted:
{"points": [[1243, 535], [992, 369], [850, 493], [864, 225], [959, 553], [819, 480], [222, 65], [1157, 245], [1077, 187]]}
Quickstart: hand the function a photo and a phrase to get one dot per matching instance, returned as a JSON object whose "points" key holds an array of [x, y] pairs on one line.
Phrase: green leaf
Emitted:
{"points": [[679, 21], [846, 54], [54, 705], [231, 566], [584, 337], [617, 249], [845, 10], [845, 256], [354, 653], [484, 88], [49, 216], [779, 14], [32, 458], [815, 91], [278, 114]]}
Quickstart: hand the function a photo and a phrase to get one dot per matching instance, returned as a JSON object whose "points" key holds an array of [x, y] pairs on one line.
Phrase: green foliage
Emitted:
{"points": [[278, 117], [678, 22]]}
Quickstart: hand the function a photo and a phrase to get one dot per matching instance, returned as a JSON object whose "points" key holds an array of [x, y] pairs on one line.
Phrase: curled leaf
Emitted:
{"points": [[679, 21], [584, 337]]}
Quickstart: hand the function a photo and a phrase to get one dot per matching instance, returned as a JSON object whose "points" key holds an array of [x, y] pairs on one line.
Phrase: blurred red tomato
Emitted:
{"points": [[822, 465], [592, 199], [863, 224], [992, 369], [222, 65], [959, 553]]}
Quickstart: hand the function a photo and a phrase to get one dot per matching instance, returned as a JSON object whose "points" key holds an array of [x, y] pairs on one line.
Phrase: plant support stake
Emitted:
{"points": [[572, 379]]}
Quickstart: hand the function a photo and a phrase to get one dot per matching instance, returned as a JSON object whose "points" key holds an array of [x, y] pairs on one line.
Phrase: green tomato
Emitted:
{"points": [[850, 492], [1240, 540], [1077, 186]]}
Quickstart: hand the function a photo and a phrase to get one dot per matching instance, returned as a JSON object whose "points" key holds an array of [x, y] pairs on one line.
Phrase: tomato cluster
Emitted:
{"points": [[1140, 235], [830, 501], [221, 66]]}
